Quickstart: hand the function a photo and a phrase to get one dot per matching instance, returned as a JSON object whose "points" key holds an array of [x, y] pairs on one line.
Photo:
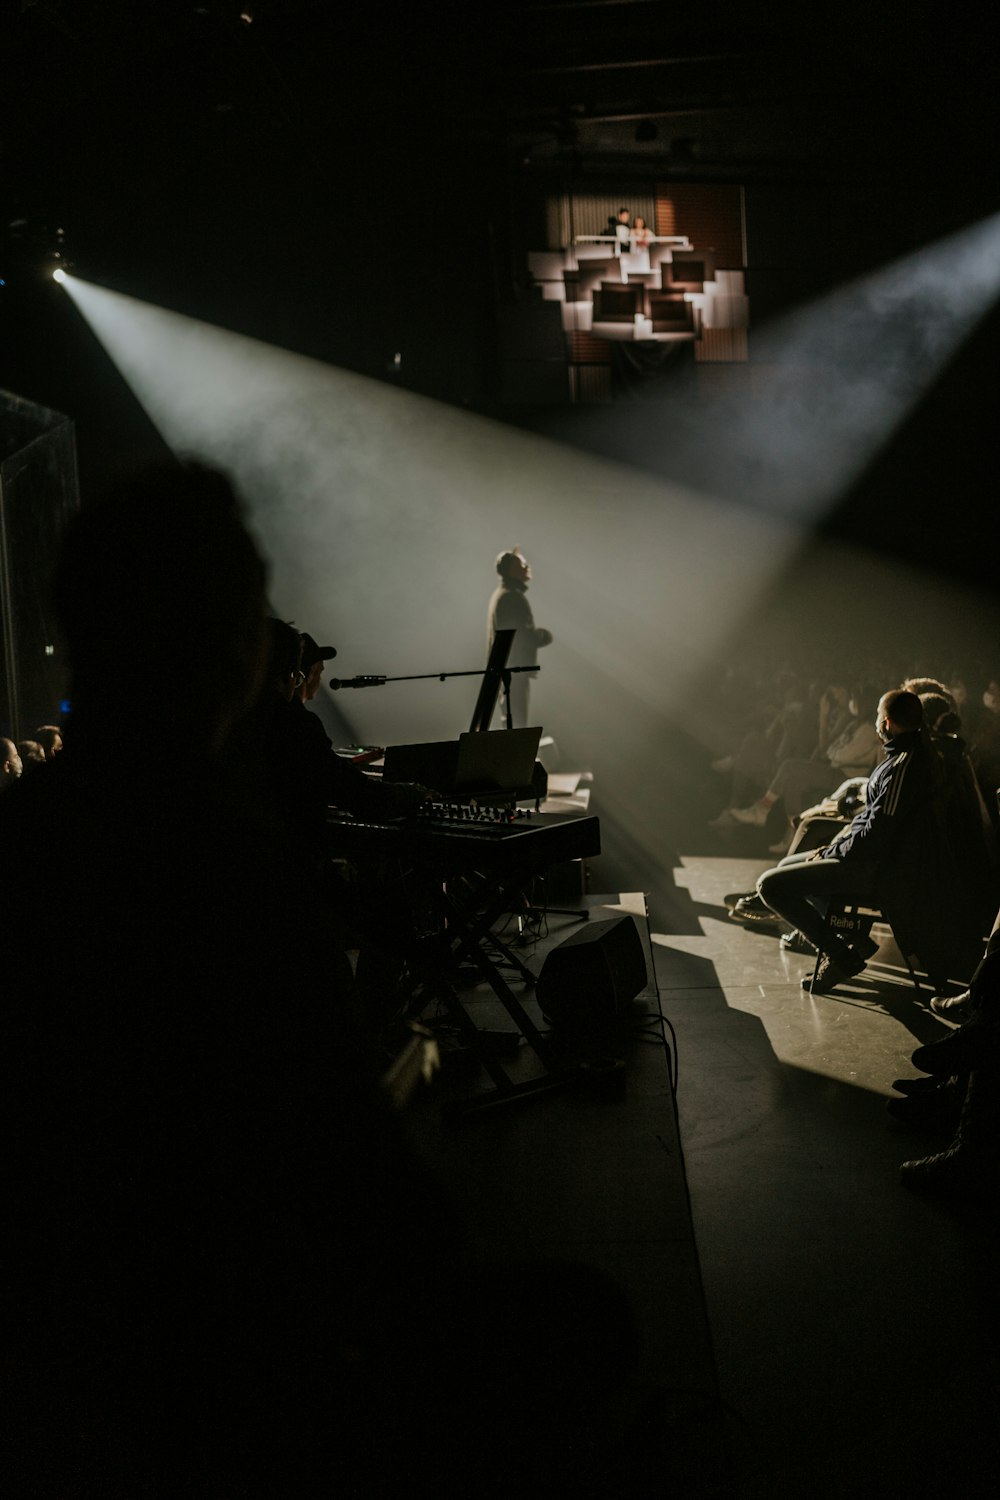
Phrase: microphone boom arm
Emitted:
{"points": [[335, 683]]}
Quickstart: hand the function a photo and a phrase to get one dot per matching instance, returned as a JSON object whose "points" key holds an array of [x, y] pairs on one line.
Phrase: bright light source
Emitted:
{"points": [[59, 275]]}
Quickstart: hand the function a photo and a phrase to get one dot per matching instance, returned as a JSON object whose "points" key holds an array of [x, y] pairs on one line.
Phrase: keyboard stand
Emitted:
{"points": [[469, 937]]}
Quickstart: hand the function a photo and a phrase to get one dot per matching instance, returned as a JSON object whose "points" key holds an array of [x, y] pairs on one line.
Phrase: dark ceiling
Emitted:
{"points": [[742, 90], [230, 162]]}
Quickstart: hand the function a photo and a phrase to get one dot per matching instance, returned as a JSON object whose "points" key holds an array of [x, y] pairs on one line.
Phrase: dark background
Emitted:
{"points": [[350, 185]]}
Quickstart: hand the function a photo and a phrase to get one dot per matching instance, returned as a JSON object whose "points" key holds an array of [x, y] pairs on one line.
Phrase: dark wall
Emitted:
{"points": [[351, 195]]}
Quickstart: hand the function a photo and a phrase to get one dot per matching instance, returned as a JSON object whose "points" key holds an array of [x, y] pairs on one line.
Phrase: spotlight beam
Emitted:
{"points": [[382, 512]]}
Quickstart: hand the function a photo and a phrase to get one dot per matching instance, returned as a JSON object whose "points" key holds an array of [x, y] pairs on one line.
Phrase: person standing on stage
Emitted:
{"points": [[510, 610]]}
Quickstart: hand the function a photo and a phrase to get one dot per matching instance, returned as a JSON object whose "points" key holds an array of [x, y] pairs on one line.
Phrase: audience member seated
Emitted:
{"points": [[11, 767], [894, 855], [772, 730], [964, 809], [852, 752], [984, 748], [49, 736], [963, 1075], [31, 754]]}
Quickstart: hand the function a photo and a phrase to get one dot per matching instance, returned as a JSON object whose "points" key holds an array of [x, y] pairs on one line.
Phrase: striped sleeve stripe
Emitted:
{"points": [[896, 785]]}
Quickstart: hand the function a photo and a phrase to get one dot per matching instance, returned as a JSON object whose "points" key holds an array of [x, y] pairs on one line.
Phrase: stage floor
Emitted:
{"points": [[808, 1326], [595, 1176], [854, 1323]]}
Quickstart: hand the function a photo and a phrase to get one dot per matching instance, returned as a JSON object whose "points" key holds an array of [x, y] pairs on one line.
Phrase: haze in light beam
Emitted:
{"points": [[383, 512]]}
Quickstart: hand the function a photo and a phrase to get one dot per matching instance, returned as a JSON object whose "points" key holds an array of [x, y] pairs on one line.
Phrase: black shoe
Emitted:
{"points": [[953, 1007], [910, 1086], [735, 897], [755, 912], [797, 942], [828, 975], [961, 1051], [936, 1108]]}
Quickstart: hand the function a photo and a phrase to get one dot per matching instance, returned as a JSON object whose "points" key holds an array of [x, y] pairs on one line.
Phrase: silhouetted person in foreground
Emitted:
{"points": [[31, 754], [11, 765], [209, 1216], [224, 1276], [49, 736]]}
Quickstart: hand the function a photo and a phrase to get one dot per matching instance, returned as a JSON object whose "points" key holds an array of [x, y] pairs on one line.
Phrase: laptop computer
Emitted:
{"points": [[476, 764]]}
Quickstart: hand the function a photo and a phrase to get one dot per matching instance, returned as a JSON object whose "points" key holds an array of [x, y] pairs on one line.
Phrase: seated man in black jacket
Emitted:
{"points": [[800, 888], [304, 775]]}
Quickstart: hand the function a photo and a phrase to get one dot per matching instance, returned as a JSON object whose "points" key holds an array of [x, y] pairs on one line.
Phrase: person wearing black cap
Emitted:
{"points": [[509, 610], [314, 658], [306, 775]]}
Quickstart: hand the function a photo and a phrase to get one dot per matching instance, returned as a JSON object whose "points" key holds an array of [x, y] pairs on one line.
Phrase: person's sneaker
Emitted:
{"points": [[797, 942], [723, 764], [783, 845], [754, 816], [827, 976], [953, 1007]]}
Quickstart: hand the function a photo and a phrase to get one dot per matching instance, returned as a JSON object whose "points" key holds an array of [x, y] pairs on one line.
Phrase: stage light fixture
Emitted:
{"points": [[59, 275]]}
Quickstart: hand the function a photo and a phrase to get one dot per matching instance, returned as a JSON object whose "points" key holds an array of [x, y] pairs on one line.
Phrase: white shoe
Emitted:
{"points": [[783, 845], [755, 816], [725, 764]]}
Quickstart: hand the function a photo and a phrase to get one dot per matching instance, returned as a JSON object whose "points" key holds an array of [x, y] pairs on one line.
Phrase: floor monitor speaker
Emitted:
{"points": [[593, 974]]}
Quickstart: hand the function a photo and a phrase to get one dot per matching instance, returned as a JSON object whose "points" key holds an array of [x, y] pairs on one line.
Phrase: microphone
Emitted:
{"points": [[355, 682]]}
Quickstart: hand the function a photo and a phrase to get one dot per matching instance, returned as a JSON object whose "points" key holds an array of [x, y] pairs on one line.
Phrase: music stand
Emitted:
{"points": [[493, 679]]}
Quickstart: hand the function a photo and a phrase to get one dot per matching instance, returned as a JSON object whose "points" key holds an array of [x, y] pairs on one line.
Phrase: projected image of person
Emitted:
{"points": [[509, 610], [641, 235]]}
